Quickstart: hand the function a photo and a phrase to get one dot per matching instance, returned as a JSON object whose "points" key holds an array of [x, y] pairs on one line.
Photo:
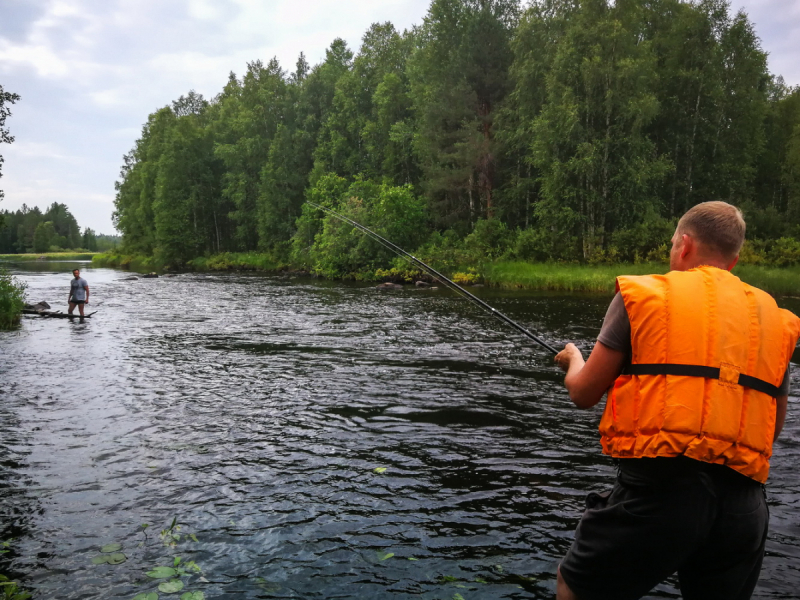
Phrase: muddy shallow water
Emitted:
{"points": [[256, 410]]}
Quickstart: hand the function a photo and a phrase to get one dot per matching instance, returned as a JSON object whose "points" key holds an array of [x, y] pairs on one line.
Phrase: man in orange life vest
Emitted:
{"points": [[695, 364]]}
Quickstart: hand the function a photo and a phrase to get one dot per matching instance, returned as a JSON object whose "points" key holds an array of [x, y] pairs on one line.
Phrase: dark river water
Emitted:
{"points": [[255, 411]]}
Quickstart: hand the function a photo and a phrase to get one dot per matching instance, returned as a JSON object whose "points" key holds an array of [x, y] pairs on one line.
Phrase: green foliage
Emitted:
{"points": [[11, 591], [31, 230], [12, 300], [340, 249], [570, 131]]}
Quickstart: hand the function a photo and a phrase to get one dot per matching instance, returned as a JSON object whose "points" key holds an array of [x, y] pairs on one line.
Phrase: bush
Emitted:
{"points": [[12, 300], [785, 252], [341, 250]]}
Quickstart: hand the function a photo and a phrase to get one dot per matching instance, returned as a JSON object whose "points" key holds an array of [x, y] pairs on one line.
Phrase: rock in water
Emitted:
{"points": [[389, 286]]}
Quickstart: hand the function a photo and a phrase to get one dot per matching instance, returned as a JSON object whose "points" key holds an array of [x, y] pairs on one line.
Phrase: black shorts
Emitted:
{"points": [[77, 301], [706, 522]]}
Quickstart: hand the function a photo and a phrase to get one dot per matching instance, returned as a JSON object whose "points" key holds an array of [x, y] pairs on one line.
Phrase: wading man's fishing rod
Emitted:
{"points": [[444, 280]]}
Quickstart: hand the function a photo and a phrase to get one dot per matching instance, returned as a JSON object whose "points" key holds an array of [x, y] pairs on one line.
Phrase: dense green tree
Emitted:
{"points": [[459, 77], [89, 240], [598, 167], [43, 236]]}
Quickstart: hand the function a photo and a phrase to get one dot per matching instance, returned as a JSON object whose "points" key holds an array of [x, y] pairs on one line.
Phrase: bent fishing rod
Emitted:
{"points": [[441, 278]]}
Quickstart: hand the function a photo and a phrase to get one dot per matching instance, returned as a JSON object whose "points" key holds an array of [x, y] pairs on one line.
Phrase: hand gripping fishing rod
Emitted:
{"points": [[448, 282]]}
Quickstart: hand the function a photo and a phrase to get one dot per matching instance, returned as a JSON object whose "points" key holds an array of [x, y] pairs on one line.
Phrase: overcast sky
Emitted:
{"points": [[90, 71]]}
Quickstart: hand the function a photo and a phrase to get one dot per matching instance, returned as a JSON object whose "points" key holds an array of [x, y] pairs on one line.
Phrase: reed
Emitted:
{"points": [[49, 256], [563, 277], [783, 281], [601, 278]]}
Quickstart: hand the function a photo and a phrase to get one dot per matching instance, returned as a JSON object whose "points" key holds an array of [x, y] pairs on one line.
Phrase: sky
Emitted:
{"points": [[89, 72]]}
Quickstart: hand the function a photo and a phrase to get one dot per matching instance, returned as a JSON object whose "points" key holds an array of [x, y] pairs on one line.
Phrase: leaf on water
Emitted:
{"points": [[385, 555], [412, 558], [458, 597], [170, 587], [100, 559], [448, 578], [177, 561], [193, 596], [203, 580], [161, 572], [498, 568], [146, 596], [193, 536], [117, 558], [479, 580], [111, 548], [380, 469]]}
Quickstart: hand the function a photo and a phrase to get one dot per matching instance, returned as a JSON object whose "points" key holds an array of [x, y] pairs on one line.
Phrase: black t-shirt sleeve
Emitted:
{"points": [[616, 330]]}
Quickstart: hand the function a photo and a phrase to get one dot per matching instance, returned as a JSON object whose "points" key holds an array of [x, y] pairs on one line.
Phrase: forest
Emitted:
{"points": [[572, 131], [31, 230]]}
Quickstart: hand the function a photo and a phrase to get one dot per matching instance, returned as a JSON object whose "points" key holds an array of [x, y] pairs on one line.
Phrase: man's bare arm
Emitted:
{"points": [[587, 381], [780, 417]]}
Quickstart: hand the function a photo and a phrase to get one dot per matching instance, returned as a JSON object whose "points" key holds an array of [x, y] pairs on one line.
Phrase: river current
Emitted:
{"points": [[309, 439]]}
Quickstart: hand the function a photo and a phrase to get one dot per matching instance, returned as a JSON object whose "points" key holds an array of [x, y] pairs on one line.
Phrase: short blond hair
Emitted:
{"points": [[719, 226]]}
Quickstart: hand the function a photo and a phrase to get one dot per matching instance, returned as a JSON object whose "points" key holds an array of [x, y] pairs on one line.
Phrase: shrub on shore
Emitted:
{"points": [[12, 300]]}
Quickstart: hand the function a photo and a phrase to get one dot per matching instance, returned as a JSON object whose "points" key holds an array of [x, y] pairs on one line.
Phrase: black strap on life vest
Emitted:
{"points": [[755, 383]]}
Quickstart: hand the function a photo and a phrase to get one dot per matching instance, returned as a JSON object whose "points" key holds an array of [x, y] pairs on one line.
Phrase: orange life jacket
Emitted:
{"points": [[708, 355]]}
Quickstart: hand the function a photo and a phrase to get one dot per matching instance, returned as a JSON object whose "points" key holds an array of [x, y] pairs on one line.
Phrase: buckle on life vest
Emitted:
{"points": [[729, 374]]}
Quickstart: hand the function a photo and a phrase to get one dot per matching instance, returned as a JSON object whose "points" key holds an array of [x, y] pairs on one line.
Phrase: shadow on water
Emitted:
{"points": [[319, 440]]}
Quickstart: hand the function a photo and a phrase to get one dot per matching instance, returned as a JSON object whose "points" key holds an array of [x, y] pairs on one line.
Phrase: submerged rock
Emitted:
{"points": [[150, 276], [131, 278], [422, 284], [38, 306], [389, 286]]}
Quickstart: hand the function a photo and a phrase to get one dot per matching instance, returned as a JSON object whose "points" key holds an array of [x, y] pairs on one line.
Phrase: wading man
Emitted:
{"points": [[695, 364], [78, 292]]}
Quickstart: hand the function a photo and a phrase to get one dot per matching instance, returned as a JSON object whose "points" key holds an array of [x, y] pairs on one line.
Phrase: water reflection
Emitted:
{"points": [[256, 410]]}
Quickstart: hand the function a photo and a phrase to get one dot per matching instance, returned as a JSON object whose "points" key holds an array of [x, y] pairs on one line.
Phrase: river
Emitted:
{"points": [[318, 439]]}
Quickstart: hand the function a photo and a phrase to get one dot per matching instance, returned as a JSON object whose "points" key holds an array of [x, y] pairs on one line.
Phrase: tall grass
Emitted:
{"points": [[783, 281], [564, 277], [601, 278], [49, 256], [12, 300]]}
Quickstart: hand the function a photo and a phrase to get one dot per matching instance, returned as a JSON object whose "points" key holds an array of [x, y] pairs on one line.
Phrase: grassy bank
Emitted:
{"points": [[601, 278], [505, 274], [563, 277], [49, 256]]}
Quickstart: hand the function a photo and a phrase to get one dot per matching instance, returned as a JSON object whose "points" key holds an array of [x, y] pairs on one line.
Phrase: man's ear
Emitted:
{"points": [[687, 246]]}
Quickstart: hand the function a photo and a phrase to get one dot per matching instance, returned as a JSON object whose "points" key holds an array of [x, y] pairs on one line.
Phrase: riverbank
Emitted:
{"points": [[503, 274], [49, 256]]}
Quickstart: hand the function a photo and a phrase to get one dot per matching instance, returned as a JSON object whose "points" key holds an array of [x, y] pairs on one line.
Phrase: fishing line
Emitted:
{"points": [[441, 278]]}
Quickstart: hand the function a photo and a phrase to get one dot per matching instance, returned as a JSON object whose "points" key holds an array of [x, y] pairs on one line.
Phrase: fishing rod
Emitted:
{"points": [[441, 278]]}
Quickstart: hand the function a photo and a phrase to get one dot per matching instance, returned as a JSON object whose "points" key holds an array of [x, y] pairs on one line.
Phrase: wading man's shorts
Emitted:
{"points": [[707, 522]]}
